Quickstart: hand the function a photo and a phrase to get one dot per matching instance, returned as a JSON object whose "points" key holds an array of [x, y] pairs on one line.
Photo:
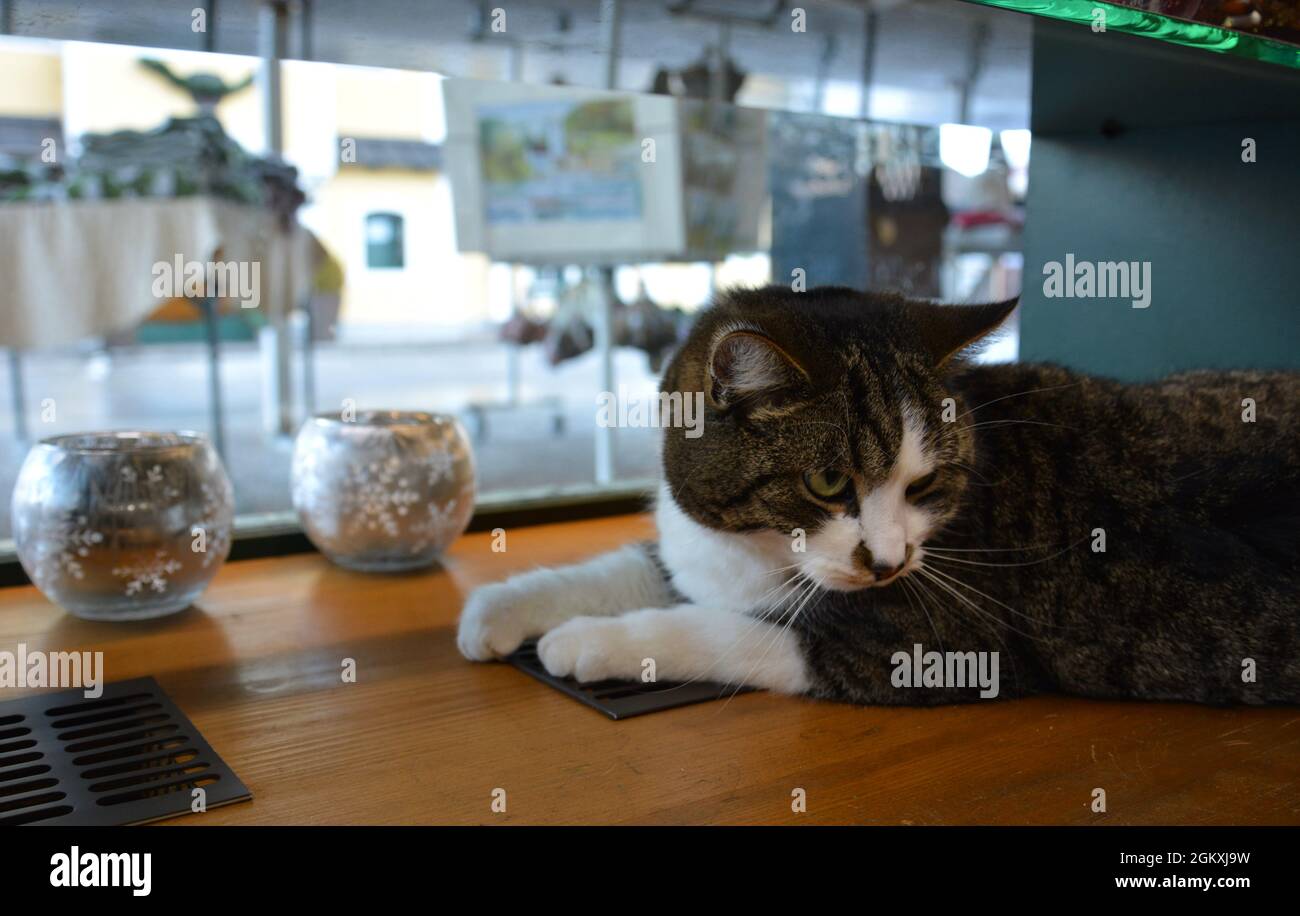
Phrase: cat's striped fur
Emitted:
{"points": [[975, 507]]}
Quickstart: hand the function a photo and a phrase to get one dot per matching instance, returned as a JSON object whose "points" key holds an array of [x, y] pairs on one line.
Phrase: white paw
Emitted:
{"points": [[591, 649], [496, 619]]}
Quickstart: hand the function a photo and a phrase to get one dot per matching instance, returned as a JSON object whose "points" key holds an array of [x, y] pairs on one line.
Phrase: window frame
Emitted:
{"points": [[397, 221]]}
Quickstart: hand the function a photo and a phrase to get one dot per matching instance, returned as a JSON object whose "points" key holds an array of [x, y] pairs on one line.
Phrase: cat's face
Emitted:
{"points": [[827, 421]]}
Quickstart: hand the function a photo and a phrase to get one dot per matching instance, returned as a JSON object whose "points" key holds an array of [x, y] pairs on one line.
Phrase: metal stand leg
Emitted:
{"points": [[273, 47], [211, 322], [18, 395], [611, 17], [513, 351], [307, 329], [605, 353]]}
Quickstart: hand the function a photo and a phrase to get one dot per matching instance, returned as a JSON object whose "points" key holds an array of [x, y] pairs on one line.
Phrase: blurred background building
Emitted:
{"points": [[880, 145]]}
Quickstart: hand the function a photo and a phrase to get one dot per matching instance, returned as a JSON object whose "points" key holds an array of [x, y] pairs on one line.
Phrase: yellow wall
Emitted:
{"points": [[31, 80], [397, 104], [437, 286]]}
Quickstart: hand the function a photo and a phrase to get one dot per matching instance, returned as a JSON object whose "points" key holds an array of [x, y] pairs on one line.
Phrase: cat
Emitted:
{"points": [[864, 496]]}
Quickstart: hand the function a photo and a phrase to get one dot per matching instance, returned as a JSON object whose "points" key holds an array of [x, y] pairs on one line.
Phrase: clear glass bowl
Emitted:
{"points": [[122, 525], [385, 491]]}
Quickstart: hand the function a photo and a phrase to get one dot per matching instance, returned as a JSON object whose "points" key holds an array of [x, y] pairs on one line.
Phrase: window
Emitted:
{"points": [[384, 244], [527, 211]]}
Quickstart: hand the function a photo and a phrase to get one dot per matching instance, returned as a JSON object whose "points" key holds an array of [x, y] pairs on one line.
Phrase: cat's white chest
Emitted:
{"points": [[740, 572]]}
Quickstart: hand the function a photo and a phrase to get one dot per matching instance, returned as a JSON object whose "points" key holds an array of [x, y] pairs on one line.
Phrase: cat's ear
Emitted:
{"points": [[946, 330], [746, 366]]}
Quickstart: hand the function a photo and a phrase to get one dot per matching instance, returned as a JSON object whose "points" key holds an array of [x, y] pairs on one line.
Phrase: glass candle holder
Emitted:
{"points": [[386, 491], [122, 525]]}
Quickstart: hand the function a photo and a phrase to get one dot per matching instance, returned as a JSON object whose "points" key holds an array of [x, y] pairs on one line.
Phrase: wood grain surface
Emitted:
{"points": [[424, 737]]}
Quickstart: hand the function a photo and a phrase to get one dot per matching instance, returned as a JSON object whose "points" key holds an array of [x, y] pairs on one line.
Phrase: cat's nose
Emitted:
{"points": [[863, 556], [884, 571]]}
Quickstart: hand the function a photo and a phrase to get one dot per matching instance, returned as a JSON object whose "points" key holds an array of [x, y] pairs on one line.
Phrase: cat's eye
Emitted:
{"points": [[826, 484], [917, 488]]}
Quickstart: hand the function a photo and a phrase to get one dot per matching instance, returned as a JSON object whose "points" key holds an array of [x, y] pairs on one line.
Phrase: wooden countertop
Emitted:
{"points": [[423, 736]]}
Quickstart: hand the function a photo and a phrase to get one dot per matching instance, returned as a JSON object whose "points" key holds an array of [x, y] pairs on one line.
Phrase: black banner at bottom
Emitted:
{"points": [[329, 864]]}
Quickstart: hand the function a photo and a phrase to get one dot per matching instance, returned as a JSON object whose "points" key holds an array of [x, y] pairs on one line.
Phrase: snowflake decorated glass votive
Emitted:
{"points": [[384, 490], [122, 525]]}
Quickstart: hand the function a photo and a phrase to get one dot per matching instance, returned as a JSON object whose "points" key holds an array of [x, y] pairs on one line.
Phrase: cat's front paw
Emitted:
{"points": [[591, 649], [496, 619]]}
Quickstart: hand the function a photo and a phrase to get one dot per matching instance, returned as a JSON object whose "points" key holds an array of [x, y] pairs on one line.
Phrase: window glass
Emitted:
{"points": [[384, 246], [509, 254]]}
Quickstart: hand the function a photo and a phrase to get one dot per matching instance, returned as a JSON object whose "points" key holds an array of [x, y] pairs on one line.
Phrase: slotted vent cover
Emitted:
{"points": [[126, 757], [622, 699]]}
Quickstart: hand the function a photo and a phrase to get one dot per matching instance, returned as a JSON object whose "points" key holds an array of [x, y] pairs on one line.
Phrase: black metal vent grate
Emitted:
{"points": [[622, 699], [126, 757]]}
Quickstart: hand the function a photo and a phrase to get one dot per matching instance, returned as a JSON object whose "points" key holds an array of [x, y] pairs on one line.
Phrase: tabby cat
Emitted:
{"points": [[863, 496]]}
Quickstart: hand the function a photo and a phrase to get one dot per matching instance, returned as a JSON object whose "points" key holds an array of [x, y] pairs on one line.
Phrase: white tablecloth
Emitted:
{"points": [[82, 269]]}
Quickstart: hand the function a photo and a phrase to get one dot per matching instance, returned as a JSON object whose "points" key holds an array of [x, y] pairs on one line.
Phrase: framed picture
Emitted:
{"points": [[547, 174]]}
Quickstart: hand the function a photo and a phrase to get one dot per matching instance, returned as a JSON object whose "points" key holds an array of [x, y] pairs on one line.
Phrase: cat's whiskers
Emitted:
{"points": [[934, 575], [978, 621], [780, 569], [970, 470], [777, 635], [806, 586], [941, 553], [948, 575], [770, 602], [1019, 394], [1013, 421], [797, 586], [972, 588], [908, 591], [760, 603], [983, 614], [940, 603], [930, 549]]}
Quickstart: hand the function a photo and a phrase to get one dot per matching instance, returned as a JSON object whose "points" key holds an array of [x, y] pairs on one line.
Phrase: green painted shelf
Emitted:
{"points": [[1120, 18]]}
